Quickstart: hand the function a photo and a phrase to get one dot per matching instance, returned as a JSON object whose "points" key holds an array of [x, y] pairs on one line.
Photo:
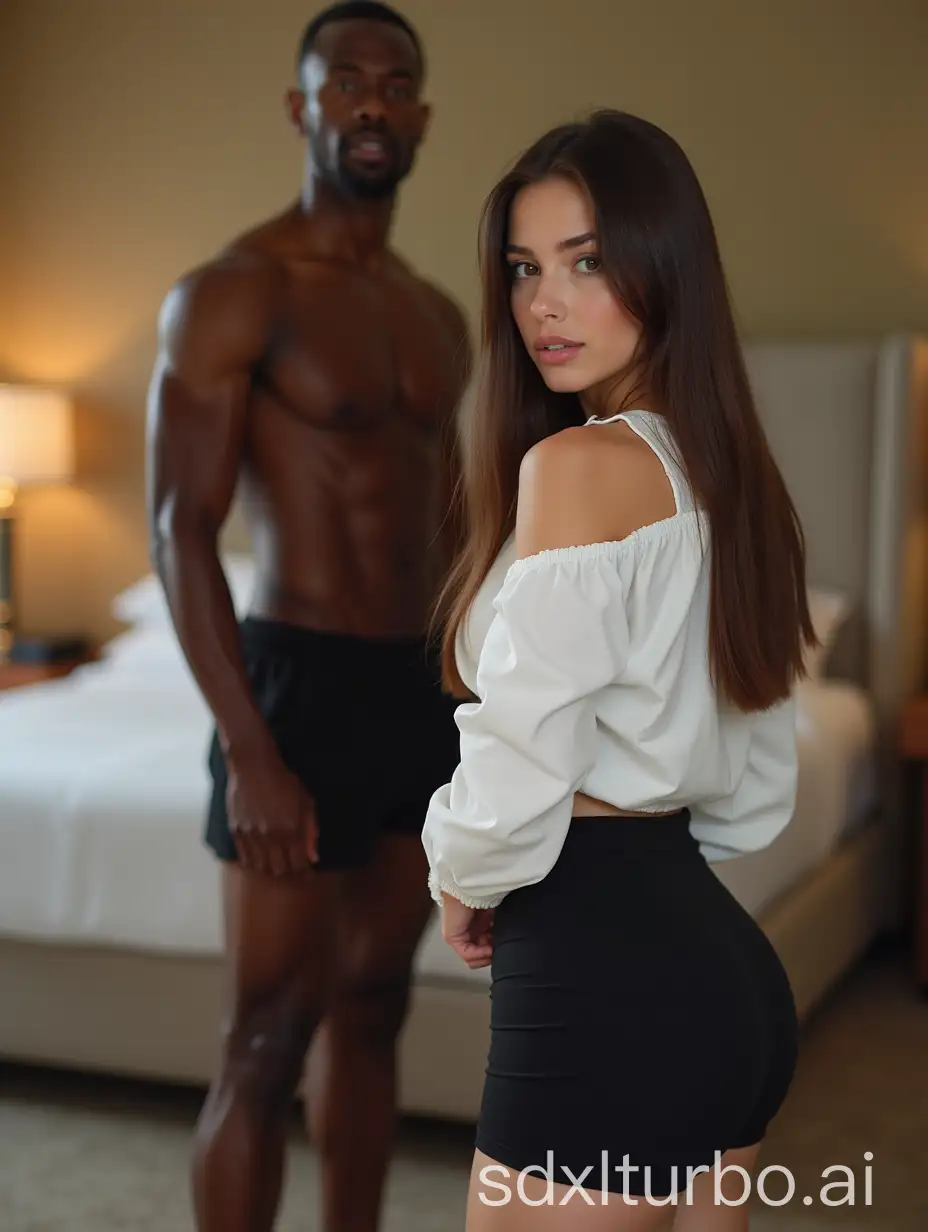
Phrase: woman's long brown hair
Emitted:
{"points": [[658, 246]]}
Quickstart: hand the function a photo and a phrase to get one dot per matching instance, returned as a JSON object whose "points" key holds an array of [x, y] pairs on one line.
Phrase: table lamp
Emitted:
{"points": [[36, 447]]}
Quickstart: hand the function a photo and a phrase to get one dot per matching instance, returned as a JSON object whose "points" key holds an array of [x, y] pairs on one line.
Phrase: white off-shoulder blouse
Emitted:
{"points": [[591, 668]]}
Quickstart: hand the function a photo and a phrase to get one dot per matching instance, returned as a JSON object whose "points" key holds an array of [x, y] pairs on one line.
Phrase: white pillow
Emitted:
{"points": [[144, 646], [149, 656], [143, 604], [829, 610]]}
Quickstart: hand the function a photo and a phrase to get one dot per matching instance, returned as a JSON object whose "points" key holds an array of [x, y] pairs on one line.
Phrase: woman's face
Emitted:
{"points": [[573, 324]]}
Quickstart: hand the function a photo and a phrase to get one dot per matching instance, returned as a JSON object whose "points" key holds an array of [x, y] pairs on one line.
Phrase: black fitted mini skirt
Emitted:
{"points": [[641, 1020]]}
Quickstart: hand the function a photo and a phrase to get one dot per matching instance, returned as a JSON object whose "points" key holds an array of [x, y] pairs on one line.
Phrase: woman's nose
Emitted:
{"points": [[547, 304]]}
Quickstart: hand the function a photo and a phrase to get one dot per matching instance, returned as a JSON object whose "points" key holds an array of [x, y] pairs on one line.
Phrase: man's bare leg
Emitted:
{"points": [[351, 1113], [279, 948]]}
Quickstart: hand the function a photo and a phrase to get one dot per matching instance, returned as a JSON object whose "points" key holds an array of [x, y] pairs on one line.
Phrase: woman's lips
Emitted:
{"points": [[557, 350]]}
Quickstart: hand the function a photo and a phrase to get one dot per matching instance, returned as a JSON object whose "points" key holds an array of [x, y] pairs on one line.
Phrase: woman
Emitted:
{"points": [[630, 612]]}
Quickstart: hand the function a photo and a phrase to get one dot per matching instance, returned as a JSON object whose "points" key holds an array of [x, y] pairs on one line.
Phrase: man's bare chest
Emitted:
{"points": [[351, 354]]}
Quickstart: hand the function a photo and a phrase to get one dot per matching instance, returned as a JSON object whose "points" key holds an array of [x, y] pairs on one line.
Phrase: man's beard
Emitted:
{"points": [[374, 184]]}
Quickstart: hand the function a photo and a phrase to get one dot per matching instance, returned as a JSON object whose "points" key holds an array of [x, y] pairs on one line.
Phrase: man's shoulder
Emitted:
{"points": [[439, 298], [448, 312], [237, 282], [246, 269], [451, 311], [449, 307], [459, 339], [224, 304]]}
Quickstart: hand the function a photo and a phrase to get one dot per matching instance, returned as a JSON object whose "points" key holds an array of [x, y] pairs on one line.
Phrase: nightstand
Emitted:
{"points": [[913, 747], [19, 675]]}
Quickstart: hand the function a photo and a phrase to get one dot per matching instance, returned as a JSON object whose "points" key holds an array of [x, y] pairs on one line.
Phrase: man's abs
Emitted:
{"points": [[345, 521]]}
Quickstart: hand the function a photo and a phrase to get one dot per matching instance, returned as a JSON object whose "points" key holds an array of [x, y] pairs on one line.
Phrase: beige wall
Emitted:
{"points": [[137, 135]]}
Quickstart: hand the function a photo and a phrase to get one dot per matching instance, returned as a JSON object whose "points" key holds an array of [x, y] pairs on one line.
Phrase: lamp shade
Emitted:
{"points": [[36, 435]]}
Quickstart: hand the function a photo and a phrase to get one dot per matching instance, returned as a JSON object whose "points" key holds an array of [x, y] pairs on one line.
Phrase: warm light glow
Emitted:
{"points": [[7, 493], [36, 435]]}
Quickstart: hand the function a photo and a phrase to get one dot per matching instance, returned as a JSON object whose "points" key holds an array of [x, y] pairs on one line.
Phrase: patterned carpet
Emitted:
{"points": [[86, 1155]]}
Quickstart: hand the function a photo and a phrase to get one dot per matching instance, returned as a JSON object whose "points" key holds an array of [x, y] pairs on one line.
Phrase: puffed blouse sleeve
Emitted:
{"points": [[559, 635], [762, 801]]}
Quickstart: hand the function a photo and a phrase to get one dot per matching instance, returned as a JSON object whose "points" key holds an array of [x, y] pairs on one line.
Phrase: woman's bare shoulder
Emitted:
{"points": [[588, 485]]}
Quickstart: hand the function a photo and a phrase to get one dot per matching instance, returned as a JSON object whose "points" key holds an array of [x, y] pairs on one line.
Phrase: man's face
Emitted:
{"points": [[360, 106]]}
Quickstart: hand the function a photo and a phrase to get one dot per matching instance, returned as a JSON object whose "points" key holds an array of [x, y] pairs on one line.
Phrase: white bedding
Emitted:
{"points": [[103, 788]]}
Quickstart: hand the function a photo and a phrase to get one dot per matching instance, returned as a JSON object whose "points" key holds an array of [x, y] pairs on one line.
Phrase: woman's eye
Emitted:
{"points": [[523, 269], [589, 262]]}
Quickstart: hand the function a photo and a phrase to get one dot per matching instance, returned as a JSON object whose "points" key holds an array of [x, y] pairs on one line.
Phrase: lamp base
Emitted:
{"points": [[38, 650], [7, 610], [16, 647]]}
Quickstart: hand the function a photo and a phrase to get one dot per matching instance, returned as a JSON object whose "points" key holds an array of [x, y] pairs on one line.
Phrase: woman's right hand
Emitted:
{"points": [[468, 930]]}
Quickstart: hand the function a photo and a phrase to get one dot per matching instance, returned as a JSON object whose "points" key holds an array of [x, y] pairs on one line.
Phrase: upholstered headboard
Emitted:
{"points": [[848, 423]]}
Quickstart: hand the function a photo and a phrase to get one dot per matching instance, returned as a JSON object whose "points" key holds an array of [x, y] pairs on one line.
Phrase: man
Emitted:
{"points": [[310, 369]]}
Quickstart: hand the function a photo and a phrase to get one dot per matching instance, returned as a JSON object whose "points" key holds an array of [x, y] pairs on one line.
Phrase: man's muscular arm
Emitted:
{"points": [[214, 327], [212, 330]]}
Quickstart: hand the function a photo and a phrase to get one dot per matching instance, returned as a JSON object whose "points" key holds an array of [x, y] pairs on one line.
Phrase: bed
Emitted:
{"points": [[110, 927]]}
